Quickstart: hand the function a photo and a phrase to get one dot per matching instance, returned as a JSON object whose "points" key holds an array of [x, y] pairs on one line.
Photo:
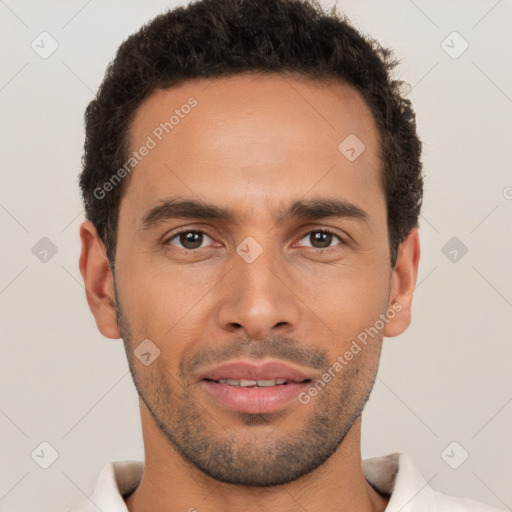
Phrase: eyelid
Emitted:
{"points": [[170, 236], [331, 231]]}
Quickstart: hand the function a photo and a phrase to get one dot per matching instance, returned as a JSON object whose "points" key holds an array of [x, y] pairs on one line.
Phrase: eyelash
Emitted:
{"points": [[312, 249], [316, 250]]}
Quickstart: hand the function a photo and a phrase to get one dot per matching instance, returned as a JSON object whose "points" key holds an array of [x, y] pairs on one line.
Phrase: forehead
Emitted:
{"points": [[252, 138]]}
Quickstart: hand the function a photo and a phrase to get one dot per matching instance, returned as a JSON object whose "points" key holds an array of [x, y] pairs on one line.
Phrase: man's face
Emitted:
{"points": [[254, 145]]}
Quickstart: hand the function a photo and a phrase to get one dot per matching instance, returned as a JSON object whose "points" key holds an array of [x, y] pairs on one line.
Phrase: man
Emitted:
{"points": [[252, 184]]}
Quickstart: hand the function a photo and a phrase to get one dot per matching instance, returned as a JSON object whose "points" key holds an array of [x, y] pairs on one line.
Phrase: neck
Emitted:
{"points": [[170, 484]]}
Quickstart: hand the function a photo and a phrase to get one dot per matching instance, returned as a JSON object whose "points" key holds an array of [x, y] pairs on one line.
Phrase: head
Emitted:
{"points": [[252, 185]]}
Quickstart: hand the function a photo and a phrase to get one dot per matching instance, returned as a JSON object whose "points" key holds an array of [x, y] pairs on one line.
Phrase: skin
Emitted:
{"points": [[253, 144]]}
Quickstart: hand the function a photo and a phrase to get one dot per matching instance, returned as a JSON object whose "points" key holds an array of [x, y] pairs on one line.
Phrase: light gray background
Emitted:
{"points": [[446, 379]]}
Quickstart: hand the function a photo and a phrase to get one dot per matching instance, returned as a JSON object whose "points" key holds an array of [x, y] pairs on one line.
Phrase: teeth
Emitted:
{"points": [[267, 383], [250, 383], [246, 383]]}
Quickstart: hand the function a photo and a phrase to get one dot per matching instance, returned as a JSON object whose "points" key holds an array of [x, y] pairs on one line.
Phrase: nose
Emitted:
{"points": [[258, 299]]}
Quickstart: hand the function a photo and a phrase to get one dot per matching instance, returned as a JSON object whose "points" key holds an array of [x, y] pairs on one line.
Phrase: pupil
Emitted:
{"points": [[191, 240], [324, 238]]}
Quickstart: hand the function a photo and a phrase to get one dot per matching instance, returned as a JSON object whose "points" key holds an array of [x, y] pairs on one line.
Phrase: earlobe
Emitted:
{"points": [[403, 282], [98, 281]]}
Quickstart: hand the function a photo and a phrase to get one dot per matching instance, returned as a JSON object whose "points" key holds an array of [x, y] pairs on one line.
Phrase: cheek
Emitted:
{"points": [[350, 307], [168, 303], [347, 298]]}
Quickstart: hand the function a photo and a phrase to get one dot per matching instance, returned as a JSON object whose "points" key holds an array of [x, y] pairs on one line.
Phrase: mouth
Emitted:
{"points": [[250, 396], [260, 383], [244, 386]]}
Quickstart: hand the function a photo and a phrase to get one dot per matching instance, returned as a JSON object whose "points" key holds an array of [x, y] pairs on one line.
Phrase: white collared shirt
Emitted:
{"points": [[393, 474]]}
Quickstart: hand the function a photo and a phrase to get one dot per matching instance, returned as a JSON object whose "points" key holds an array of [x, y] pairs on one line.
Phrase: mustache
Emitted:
{"points": [[278, 347]]}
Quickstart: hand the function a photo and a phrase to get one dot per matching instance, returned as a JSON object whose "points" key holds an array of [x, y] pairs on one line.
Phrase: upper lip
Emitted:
{"points": [[269, 370]]}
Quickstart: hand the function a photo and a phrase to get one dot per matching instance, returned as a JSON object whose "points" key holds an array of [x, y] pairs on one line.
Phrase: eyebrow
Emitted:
{"points": [[312, 209]]}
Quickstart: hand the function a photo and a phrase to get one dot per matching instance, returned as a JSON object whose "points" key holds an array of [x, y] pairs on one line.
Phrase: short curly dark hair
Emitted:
{"points": [[211, 38]]}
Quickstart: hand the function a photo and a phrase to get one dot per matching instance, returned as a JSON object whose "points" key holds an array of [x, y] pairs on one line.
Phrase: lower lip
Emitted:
{"points": [[255, 400]]}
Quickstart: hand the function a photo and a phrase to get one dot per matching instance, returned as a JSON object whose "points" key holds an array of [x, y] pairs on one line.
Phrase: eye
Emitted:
{"points": [[321, 239], [189, 239]]}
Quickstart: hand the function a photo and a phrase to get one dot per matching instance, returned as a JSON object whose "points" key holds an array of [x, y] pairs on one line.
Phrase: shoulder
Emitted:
{"points": [[397, 476]]}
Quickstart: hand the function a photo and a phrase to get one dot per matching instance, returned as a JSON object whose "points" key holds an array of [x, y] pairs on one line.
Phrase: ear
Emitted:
{"points": [[403, 282], [98, 280]]}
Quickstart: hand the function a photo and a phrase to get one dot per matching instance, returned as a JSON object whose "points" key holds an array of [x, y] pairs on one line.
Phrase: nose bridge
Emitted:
{"points": [[257, 299], [257, 265]]}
